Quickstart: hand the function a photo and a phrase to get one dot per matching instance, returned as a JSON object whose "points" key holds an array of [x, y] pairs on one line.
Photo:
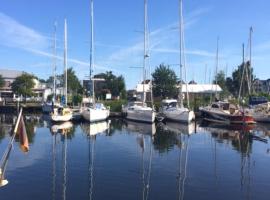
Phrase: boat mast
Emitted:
{"points": [[250, 56], [92, 50], [217, 58], [145, 56], [55, 60], [243, 73], [180, 95], [65, 60]]}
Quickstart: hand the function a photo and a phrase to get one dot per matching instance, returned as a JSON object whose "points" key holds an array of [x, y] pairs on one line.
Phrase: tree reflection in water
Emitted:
{"points": [[165, 139]]}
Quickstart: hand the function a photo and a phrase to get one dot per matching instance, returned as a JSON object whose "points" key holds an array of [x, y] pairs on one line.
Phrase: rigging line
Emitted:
{"points": [[92, 153], [143, 171], [64, 166], [185, 169], [180, 168], [149, 171], [53, 166]]}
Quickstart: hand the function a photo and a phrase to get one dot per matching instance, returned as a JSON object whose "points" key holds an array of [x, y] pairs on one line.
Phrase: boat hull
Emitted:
{"points": [[179, 115], [147, 116], [95, 115], [224, 118], [61, 118]]}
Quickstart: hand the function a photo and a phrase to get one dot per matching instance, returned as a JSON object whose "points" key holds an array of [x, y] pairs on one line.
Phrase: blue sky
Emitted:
{"points": [[27, 28]]}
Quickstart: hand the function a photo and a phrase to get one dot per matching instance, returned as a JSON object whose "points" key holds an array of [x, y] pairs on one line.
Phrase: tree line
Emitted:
{"points": [[164, 81], [23, 85]]}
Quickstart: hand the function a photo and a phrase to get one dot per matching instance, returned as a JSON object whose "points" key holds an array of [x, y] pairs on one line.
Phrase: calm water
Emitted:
{"points": [[128, 160]]}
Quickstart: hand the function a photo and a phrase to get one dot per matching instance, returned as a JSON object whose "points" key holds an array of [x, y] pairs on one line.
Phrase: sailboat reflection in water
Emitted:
{"points": [[92, 130], [145, 143], [137, 127], [64, 129]]}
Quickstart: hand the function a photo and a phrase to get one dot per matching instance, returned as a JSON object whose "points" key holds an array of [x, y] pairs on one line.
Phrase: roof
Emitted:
{"points": [[10, 74], [201, 88]]}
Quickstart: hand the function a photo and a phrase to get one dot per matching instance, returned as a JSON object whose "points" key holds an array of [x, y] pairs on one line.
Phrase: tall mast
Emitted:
{"points": [[217, 58], [55, 60], [243, 72], [92, 49], [180, 96], [145, 56], [65, 59], [250, 56]]}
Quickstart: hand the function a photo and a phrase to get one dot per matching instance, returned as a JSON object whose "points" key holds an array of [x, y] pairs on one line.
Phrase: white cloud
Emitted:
{"points": [[15, 34]]}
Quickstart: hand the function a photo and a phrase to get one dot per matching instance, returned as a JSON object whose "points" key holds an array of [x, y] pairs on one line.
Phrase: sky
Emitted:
{"points": [[27, 28]]}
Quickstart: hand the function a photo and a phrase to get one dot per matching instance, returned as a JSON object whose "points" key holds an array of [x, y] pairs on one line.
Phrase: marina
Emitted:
{"points": [[122, 159], [145, 99]]}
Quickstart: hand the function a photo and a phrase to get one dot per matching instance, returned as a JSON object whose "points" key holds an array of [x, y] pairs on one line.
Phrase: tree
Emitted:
{"points": [[221, 81], [23, 85], [164, 82], [112, 83], [2, 81], [234, 83], [73, 84]]}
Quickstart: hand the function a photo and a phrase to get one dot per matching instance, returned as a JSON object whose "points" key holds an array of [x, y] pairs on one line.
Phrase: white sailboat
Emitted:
{"points": [[139, 111], [94, 111], [63, 113], [171, 109]]}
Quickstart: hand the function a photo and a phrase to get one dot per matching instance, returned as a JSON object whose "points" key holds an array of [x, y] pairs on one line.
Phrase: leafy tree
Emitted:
{"points": [[234, 83], [221, 81], [164, 82], [2, 81], [113, 84], [23, 85], [73, 84]]}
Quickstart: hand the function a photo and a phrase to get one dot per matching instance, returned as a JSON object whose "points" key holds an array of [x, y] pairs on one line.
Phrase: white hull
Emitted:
{"points": [[141, 115], [181, 128], [148, 129], [61, 118], [179, 114], [95, 115], [261, 112], [64, 126], [93, 129]]}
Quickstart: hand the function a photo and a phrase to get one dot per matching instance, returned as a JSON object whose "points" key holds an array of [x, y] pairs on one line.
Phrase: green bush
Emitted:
{"points": [[115, 105]]}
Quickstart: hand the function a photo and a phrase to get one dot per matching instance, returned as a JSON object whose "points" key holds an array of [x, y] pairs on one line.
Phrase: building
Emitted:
{"points": [[193, 89], [40, 90], [261, 86]]}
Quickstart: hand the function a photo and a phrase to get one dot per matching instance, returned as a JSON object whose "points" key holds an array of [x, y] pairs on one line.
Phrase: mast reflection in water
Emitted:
{"points": [[120, 159]]}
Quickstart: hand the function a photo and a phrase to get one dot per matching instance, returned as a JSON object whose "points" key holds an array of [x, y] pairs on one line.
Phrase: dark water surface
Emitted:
{"points": [[127, 160]]}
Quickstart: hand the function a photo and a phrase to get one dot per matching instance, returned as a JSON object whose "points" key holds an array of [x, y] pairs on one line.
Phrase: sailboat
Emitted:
{"points": [[224, 112], [47, 107], [94, 112], [260, 110], [63, 113], [138, 110], [170, 108]]}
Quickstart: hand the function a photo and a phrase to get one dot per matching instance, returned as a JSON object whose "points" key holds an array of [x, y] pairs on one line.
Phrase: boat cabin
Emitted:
{"points": [[225, 107], [169, 103]]}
